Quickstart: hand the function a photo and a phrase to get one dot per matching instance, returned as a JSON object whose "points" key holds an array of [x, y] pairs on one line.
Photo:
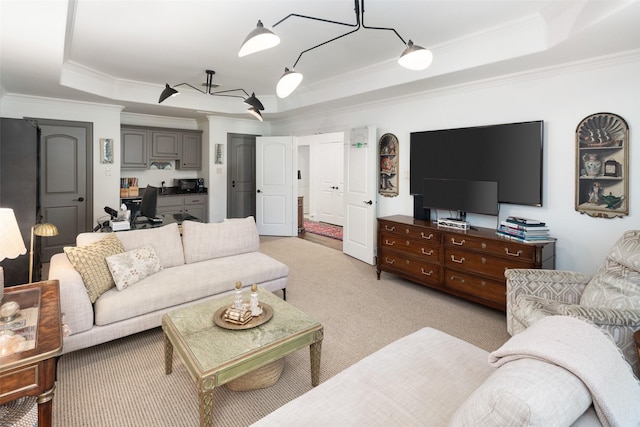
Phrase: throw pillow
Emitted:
{"points": [[90, 262], [165, 240], [617, 282], [204, 241], [130, 267], [525, 392]]}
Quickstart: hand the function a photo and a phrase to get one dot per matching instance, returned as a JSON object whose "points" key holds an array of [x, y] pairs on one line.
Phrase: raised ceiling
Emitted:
{"points": [[123, 52]]}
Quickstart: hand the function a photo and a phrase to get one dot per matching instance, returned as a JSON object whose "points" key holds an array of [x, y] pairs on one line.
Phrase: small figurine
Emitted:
{"points": [[595, 195]]}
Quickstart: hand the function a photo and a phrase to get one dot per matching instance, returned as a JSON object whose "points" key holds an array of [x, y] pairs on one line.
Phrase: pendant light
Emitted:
{"points": [[259, 39], [415, 57], [289, 81]]}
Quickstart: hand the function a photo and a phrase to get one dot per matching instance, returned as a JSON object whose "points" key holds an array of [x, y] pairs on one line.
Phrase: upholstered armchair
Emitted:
{"points": [[610, 299]]}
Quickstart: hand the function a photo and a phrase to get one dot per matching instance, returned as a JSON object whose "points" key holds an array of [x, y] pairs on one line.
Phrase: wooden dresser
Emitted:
{"points": [[469, 264]]}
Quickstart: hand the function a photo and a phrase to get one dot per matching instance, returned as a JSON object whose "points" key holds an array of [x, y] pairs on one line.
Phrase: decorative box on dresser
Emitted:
{"points": [[469, 264]]}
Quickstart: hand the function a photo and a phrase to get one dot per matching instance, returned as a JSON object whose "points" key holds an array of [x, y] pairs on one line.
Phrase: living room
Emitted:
{"points": [[580, 81]]}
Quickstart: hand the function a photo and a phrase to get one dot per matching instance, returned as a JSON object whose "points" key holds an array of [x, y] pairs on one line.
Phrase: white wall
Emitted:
{"points": [[561, 97]]}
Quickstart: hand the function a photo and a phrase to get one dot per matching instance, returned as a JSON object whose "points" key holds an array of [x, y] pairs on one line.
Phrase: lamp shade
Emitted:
{"points": [[167, 92], [254, 102], [289, 81], [45, 230], [259, 39], [415, 57], [11, 243], [256, 113]]}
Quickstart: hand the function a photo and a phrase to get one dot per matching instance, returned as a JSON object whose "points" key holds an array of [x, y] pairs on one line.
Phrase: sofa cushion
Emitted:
{"points": [[130, 267], [204, 241], [525, 392], [617, 282], [186, 283], [90, 262], [165, 241]]}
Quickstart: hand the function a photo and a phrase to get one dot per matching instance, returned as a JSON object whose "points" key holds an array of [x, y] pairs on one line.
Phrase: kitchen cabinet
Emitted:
{"points": [[193, 204], [142, 145], [191, 151], [134, 148], [165, 145]]}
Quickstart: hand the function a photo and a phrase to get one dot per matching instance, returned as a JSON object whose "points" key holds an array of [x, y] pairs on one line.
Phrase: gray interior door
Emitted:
{"points": [[241, 176], [65, 181]]}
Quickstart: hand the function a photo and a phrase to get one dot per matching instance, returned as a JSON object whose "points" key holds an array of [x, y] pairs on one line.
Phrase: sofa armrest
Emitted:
{"points": [[557, 285], [74, 300]]}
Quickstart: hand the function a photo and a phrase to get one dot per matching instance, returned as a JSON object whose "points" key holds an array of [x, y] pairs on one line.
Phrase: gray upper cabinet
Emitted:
{"points": [[165, 145], [142, 145], [135, 148], [191, 155]]}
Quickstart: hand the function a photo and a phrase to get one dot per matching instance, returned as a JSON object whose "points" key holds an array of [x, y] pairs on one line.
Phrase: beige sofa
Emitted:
{"points": [[202, 263], [561, 371]]}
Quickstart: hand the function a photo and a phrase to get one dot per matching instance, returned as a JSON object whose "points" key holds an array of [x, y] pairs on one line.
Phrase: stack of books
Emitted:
{"points": [[524, 229]]}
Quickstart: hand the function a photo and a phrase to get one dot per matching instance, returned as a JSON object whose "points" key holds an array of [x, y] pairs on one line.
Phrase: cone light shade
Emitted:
{"points": [[415, 57], [254, 102], [167, 92], [289, 81], [255, 113], [259, 39]]}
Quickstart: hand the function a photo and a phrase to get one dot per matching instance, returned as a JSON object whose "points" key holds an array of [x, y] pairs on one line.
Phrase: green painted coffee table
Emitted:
{"points": [[215, 356]]}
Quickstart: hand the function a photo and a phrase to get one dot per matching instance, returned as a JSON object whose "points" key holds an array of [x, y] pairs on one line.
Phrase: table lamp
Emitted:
{"points": [[42, 230], [11, 243]]}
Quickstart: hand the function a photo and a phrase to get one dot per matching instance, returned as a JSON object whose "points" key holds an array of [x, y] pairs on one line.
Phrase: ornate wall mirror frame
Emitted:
{"points": [[388, 153], [602, 166]]}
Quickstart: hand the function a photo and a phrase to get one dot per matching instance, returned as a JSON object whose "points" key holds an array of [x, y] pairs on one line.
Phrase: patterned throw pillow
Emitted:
{"points": [[130, 267], [90, 262]]}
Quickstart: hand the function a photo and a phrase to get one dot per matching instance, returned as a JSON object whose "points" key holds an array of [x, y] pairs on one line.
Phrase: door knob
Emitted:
{"points": [[259, 191], [79, 199], [369, 202]]}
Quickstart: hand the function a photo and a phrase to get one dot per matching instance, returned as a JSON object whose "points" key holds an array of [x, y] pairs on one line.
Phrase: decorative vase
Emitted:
{"points": [[592, 164]]}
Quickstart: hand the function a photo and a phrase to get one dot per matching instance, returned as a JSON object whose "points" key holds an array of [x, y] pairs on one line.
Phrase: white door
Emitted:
{"points": [[360, 194], [276, 214], [331, 188]]}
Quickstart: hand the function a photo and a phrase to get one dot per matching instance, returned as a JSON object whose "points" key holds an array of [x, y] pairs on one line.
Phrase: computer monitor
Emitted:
{"points": [[149, 202]]}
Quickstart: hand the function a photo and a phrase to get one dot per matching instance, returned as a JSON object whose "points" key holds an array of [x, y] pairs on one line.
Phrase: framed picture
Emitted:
{"points": [[388, 152], [106, 150], [219, 149]]}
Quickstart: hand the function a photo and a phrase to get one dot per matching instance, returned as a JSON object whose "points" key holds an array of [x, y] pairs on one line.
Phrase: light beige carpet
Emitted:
{"points": [[122, 383]]}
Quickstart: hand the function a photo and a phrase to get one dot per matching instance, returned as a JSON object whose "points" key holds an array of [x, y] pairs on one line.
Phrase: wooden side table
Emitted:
{"points": [[32, 372]]}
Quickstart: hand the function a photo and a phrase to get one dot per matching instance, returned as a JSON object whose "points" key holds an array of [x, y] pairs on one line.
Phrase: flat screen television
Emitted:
{"points": [[510, 154], [479, 197]]}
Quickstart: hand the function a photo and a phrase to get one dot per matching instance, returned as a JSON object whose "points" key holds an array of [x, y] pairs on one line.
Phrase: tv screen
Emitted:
{"points": [[510, 154], [479, 197]]}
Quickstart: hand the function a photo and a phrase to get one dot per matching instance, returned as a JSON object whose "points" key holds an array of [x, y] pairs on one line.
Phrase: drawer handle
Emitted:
{"points": [[511, 253], [427, 253], [483, 284], [389, 261], [460, 261], [388, 243], [386, 227], [459, 279], [453, 240], [425, 273], [429, 237]]}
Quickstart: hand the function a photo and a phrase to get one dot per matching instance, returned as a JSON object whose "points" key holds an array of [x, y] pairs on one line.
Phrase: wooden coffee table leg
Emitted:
{"points": [[206, 388], [315, 351], [168, 355]]}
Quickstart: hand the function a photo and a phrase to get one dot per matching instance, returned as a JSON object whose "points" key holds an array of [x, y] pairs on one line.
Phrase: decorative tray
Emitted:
{"points": [[267, 314]]}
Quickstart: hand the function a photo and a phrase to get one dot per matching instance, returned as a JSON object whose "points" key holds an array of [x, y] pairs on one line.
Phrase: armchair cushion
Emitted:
{"points": [[617, 282]]}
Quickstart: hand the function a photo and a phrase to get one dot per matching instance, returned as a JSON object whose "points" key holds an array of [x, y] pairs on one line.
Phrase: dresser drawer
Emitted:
{"points": [[486, 289], [423, 271], [405, 230], [496, 247], [480, 263], [421, 247], [195, 200]]}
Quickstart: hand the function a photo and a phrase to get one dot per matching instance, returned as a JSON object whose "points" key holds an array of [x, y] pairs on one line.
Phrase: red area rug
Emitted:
{"points": [[323, 229]]}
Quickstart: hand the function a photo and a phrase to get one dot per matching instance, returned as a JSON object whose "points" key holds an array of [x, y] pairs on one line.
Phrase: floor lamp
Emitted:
{"points": [[42, 230], [11, 243]]}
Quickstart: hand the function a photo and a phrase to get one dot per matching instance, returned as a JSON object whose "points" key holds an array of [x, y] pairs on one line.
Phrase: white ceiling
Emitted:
{"points": [[123, 52]]}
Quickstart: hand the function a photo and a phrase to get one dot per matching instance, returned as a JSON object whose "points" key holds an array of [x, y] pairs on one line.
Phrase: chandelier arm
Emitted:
{"points": [[357, 24], [222, 92], [323, 43], [379, 28], [192, 87]]}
